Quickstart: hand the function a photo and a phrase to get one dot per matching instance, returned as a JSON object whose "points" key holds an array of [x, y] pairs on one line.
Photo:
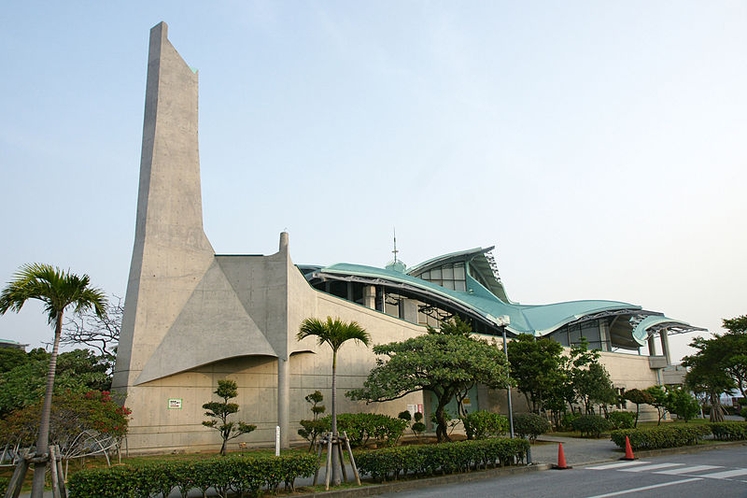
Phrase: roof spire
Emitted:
{"points": [[395, 251], [396, 265]]}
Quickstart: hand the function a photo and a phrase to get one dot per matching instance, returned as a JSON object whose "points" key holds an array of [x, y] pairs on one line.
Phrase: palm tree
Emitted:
{"points": [[58, 290], [334, 332]]}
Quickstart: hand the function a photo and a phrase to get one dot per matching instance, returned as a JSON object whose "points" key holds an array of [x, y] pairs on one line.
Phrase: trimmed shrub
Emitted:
{"points": [[729, 431], [566, 423], [530, 425], [445, 458], [364, 427], [233, 474], [483, 424], [621, 420], [670, 436], [591, 425]]}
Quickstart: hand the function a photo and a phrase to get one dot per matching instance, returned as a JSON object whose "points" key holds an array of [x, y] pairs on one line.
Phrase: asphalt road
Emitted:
{"points": [[719, 473]]}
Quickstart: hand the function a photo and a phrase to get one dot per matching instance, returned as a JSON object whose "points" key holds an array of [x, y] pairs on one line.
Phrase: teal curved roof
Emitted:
{"points": [[486, 299], [538, 320]]}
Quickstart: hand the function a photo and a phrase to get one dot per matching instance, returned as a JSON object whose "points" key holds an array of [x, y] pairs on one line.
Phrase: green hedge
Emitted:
{"points": [[445, 458], [729, 431], [661, 437], [483, 424], [232, 474], [530, 425], [591, 425]]}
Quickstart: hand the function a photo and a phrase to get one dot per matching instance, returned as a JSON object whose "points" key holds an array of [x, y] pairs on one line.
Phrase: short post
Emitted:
{"points": [[277, 440]]}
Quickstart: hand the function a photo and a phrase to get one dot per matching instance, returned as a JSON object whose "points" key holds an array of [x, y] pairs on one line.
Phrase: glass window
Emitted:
{"points": [[459, 271]]}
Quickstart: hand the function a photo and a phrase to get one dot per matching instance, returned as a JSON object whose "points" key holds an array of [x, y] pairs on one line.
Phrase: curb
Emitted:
{"points": [[399, 486]]}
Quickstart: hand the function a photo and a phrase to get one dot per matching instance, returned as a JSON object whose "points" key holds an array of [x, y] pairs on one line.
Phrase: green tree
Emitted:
{"points": [[77, 421], [707, 375], [312, 429], [660, 401], [335, 333], [682, 403], [78, 371], [536, 366], [219, 411], [58, 290], [734, 349], [438, 363], [11, 358], [591, 382], [638, 397]]}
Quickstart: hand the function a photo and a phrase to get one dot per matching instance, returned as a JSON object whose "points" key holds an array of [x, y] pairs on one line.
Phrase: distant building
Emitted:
{"points": [[193, 317], [5, 343]]}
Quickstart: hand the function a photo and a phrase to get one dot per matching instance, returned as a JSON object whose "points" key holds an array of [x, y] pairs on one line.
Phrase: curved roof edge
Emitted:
{"points": [[653, 324], [537, 320]]}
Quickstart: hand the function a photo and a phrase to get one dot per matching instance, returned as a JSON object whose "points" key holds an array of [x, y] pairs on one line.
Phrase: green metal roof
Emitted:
{"points": [[490, 303], [525, 319]]}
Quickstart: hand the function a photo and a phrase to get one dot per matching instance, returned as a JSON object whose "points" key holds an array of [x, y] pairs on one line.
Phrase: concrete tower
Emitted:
{"points": [[171, 252]]}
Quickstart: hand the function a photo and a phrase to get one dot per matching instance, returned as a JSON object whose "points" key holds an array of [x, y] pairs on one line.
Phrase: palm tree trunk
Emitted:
{"points": [[42, 443], [336, 480]]}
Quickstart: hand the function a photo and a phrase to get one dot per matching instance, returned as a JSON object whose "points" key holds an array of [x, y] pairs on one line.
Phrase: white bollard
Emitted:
{"points": [[277, 440]]}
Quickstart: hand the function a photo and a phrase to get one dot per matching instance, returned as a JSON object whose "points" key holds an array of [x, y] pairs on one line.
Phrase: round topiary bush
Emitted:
{"points": [[530, 425], [591, 425], [621, 420]]}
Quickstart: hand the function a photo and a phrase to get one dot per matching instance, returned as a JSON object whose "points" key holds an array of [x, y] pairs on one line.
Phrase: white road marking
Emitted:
{"points": [[646, 488], [655, 466], [727, 474], [690, 470], [618, 465]]}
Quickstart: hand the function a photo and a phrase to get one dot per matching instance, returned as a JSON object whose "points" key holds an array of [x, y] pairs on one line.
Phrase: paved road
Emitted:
{"points": [[583, 455], [721, 473]]}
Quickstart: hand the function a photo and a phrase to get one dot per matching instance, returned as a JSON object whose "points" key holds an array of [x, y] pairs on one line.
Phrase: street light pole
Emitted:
{"points": [[505, 320]]}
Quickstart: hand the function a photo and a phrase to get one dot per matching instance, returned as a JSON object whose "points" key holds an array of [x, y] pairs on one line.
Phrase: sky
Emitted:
{"points": [[601, 147]]}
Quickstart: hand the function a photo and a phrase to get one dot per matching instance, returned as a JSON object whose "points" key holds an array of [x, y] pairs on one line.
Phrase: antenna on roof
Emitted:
{"points": [[395, 251]]}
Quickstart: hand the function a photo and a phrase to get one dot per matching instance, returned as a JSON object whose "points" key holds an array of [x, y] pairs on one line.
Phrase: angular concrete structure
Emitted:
{"points": [[193, 317]]}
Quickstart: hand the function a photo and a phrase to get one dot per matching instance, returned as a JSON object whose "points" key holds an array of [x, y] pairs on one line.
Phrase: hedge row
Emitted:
{"points": [[729, 431], [234, 474], [661, 437], [445, 458]]}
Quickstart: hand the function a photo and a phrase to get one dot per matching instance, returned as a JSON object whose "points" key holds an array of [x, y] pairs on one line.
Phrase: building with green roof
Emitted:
{"points": [[193, 317]]}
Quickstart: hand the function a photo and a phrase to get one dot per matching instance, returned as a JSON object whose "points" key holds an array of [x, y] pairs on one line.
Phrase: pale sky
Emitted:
{"points": [[600, 146]]}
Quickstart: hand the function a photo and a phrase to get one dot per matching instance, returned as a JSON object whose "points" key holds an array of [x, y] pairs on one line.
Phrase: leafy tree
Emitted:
{"points": [[11, 358], [638, 397], [78, 371], [682, 403], [594, 387], [443, 364], [707, 374], [219, 411], [77, 419], [660, 401], [58, 290], [312, 429], [737, 325], [590, 380], [536, 366], [335, 333]]}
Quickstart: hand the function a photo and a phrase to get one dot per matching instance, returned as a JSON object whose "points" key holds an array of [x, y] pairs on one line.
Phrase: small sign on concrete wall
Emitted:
{"points": [[175, 403]]}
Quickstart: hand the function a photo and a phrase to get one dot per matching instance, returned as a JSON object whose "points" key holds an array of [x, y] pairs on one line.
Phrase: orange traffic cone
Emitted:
{"points": [[561, 459], [628, 450]]}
